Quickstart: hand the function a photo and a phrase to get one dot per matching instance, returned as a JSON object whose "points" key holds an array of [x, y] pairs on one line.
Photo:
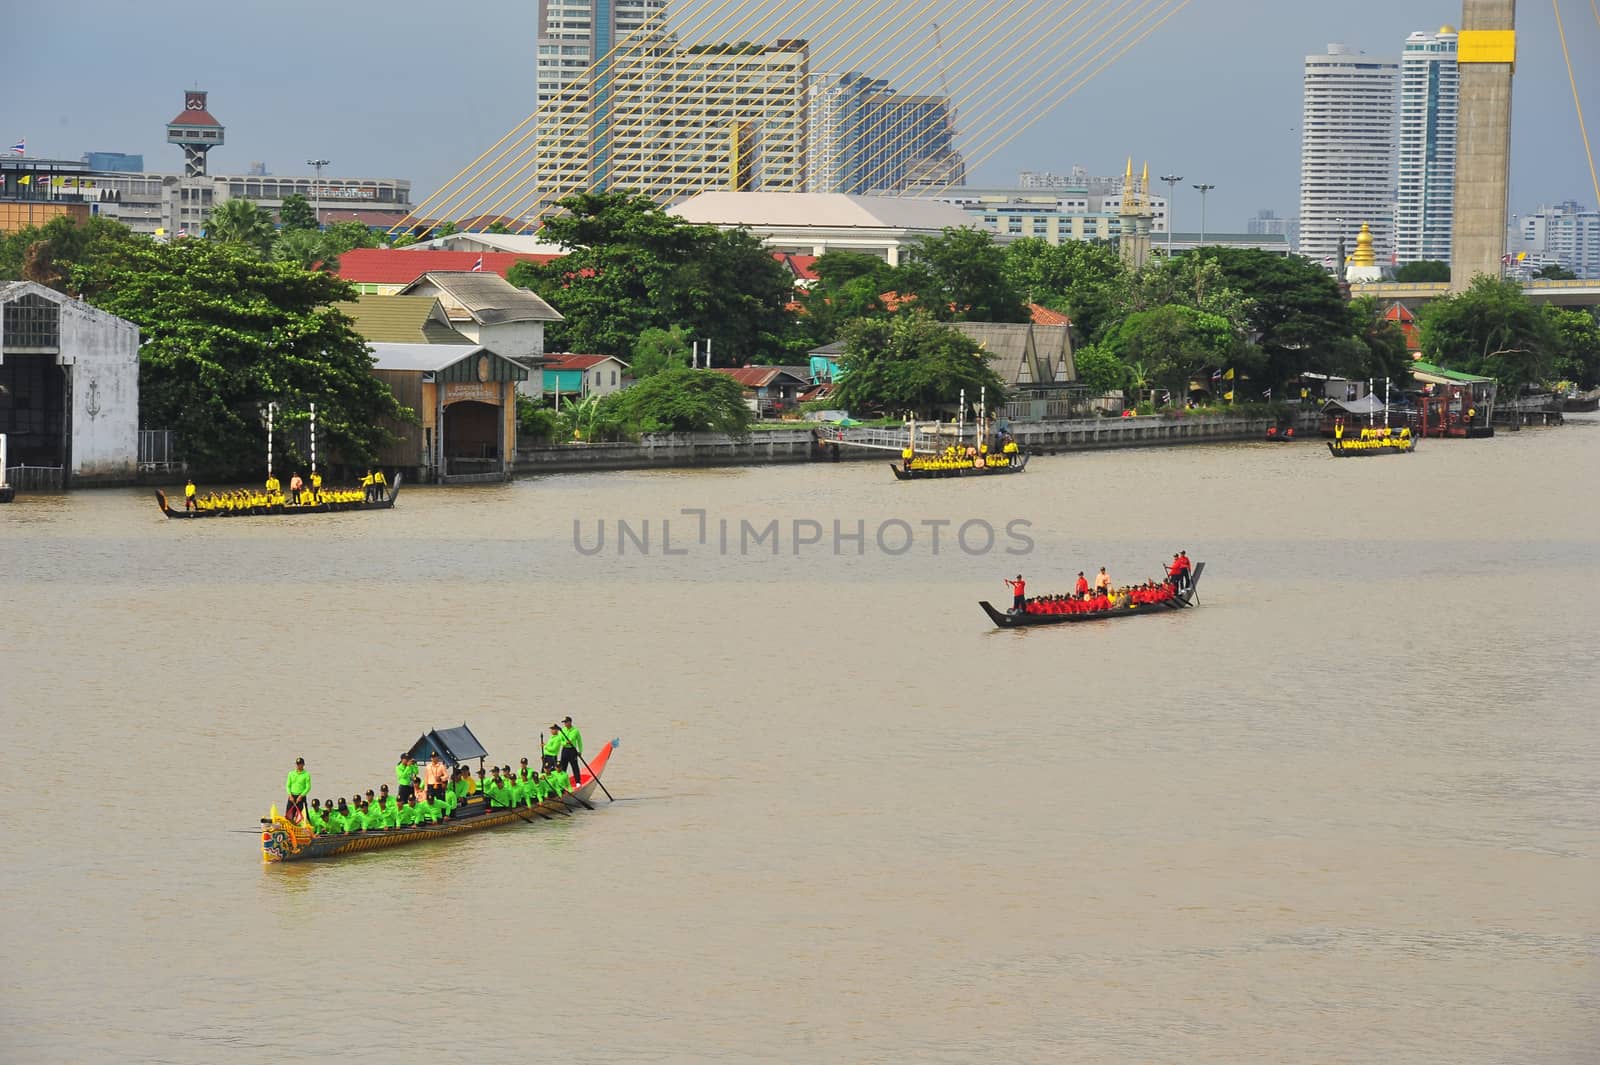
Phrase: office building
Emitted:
{"points": [[1348, 152], [1429, 104], [670, 122], [577, 34], [866, 137], [1566, 234], [113, 162]]}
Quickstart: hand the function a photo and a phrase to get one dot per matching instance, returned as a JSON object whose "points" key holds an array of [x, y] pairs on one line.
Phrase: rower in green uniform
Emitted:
{"points": [[405, 775], [297, 784], [552, 748], [428, 812], [571, 747], [406, 816]]}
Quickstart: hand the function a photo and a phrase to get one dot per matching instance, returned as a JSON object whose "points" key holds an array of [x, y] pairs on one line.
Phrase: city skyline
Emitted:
{"points": [[1230, 118]]}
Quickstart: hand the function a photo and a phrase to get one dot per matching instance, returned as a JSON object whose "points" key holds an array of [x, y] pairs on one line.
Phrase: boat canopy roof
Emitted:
{"points": [[1367, 404], [452, 744]]}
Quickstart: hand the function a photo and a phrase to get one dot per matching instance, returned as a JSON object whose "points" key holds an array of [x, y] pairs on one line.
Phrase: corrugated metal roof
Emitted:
{"points": [[568, 361], [820, 210], [401, 320], [759, 376], [428, 358], [488, 298]]}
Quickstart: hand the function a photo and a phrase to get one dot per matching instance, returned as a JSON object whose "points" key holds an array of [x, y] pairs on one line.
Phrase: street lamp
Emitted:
{"points": [[316, 189], [1203, 190], [1172, 185]]}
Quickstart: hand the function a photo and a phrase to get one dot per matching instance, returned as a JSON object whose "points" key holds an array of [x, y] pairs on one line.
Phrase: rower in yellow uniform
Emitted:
{"points": [[189, 501], [272, 484], [316, 486], [379, 485]]}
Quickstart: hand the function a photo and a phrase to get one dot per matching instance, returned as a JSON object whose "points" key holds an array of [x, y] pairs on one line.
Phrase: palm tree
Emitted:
{"points": [[305, 248], [241, 222], [1139, 377]]}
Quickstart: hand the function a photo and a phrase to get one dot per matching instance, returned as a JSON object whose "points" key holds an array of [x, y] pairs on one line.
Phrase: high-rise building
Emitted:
{"points": [[1267, 223], [1429, 103], [576, 34], [1566, 234], [114, 162], [1347, 152], [865, 137], [669, 121]]}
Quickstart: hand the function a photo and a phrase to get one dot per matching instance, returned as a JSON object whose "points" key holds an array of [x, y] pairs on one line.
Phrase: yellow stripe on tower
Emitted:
{"points": [[1486, 46]]}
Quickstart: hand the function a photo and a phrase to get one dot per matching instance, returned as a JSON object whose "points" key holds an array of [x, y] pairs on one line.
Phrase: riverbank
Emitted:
{"points": [[778, 446]]}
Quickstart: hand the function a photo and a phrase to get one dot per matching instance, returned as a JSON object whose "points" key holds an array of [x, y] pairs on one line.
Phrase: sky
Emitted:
{"points": [[414, 90]]}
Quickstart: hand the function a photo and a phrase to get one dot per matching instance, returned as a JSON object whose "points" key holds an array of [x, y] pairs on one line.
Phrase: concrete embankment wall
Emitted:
{"points": [[668, 450]]}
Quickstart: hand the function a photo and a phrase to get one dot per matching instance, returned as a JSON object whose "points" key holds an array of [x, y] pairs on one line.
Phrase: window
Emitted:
{"points": [[31, 321], [613, 379]]}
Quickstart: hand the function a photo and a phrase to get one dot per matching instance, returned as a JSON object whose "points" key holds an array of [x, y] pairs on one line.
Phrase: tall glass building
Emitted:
{"points": [[1429, 103]]}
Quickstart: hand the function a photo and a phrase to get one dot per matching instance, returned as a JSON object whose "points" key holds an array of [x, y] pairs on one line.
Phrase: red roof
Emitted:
{"points": [[1045, 316], [399, 266], [753, 376], [194, 118], [801, 266], [567, 361]]}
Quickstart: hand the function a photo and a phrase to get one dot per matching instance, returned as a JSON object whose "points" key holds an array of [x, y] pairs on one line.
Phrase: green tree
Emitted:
{"points": [[849, 285], [304, 248], [1176, 343], [498, 226], [46, 253], [241, 222], [340, 237], [659, 350], [960, 276], [631, 266], [681, 400], [224, 333], [1298, 318], [296, 213], [911, 363], [1423, 270], [1378, 349], [1099, 370], [1085, 280], [1577, 345], [1492, 329], [1554, 272]]}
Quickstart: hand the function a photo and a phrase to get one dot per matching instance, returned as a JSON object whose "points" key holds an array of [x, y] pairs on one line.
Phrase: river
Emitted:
{"points": [[1348, 810]]}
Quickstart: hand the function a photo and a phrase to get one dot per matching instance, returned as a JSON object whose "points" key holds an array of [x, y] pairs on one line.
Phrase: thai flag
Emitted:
{"points": [[1217, 376], [477, 267], [20, 148]]}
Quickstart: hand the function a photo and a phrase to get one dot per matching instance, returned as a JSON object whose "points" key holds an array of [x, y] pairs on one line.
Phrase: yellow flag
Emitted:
{"points": [[1228, 395], [1228, 376], [25, 179]]}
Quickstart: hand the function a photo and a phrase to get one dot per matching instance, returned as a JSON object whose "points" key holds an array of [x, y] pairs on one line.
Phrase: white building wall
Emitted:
{"points": [[1348, 151], [511, 339], [103, 353]]}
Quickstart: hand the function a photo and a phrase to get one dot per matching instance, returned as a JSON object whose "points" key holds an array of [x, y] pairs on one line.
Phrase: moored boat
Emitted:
{"points": [[1006, 619], [1347, 447], [281, 510], [283, 840], [1014, 464]]}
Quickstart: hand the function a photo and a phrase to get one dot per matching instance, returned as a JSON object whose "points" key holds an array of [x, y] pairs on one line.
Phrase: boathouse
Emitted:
{"points": [[465, 399], [69, 390]]}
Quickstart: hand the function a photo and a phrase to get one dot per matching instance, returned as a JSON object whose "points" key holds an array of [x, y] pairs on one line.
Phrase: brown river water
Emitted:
{"points": [[1348, 810]]}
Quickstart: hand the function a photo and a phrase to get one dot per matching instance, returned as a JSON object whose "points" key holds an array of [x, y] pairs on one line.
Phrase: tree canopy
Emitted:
{"points": [[1577, 345], [1083, 279], [296, 213], [960, 276], [45, 254], [1423, 270], [1492, 329], [243, 223], [658, 350], [911, 363], [224, 332], [680, 400], [631, 267]]}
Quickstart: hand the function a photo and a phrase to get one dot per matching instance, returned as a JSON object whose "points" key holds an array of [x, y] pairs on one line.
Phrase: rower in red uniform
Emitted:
{"points": [[1083, 585], [1019, 589]]}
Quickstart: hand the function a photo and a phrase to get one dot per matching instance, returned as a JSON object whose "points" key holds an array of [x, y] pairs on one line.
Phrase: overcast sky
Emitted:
{"points": [[413, 90]]}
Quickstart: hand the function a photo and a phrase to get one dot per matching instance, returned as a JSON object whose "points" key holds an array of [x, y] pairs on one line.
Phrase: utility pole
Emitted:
{"points": [[1203, 190], [316, 189], [1172, 187]]}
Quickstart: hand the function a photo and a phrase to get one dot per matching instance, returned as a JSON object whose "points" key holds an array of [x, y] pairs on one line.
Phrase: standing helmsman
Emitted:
{"points": [[298, 785], [405, 776], [552, 748], [571, 747], [435, 776]]}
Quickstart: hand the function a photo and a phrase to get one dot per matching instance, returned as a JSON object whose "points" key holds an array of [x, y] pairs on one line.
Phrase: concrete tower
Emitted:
{"points": [[196, 132], [1133, 243], [1487, 55]]}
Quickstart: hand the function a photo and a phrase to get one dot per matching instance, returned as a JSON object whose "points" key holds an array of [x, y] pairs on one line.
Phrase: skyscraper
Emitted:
{"points": [[575, 34], [866, 137], [1429, 102], [1347, 152]]}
